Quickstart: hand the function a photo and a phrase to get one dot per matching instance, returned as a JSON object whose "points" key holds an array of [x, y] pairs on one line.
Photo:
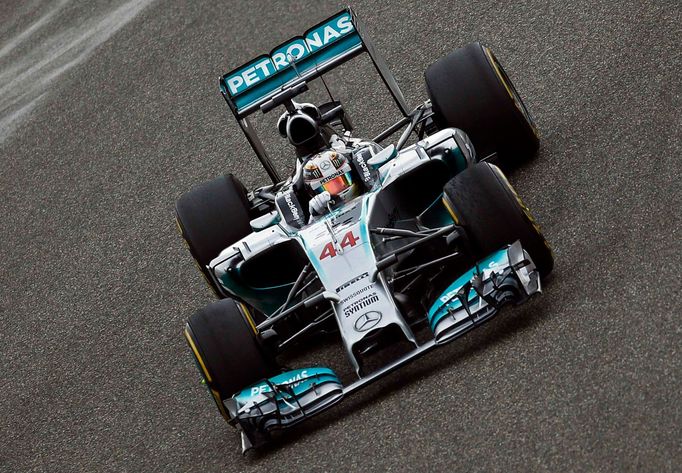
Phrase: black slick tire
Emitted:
{"points": [[212, 216], [469, 89], [493, 215], [222, 338]]}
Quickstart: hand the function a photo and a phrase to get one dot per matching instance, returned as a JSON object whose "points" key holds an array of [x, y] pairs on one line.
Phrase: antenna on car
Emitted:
{"points": [[292, 62]]}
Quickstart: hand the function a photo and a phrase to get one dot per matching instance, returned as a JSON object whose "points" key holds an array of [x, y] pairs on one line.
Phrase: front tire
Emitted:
{"points": [[223, 340], [493, 215], [211, 217], [470, 90]]}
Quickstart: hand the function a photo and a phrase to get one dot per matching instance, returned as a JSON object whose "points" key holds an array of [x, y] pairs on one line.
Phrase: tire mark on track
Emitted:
{"points": [[29, 70]]}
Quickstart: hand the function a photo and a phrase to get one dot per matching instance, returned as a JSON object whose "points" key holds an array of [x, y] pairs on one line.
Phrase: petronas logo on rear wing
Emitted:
{"points": [[327, 44]]}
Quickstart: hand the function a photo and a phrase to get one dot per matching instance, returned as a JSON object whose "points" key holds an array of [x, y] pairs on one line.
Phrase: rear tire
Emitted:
{"points": [[211, 217], [222, 338], [493, 215], [470, 90]]}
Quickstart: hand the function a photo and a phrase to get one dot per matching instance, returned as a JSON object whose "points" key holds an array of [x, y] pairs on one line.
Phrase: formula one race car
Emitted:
{"points": [[376, 244]]}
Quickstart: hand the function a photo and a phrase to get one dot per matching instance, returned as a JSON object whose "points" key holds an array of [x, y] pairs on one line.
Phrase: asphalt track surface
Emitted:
{"points": [[96, 284]]}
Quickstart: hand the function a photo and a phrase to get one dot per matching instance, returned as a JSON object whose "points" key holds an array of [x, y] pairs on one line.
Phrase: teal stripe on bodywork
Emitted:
{"points": [[364, 228], [298, 382], [436, 215], [287, 75], [440, 308], [454, 158], [266, 300]]}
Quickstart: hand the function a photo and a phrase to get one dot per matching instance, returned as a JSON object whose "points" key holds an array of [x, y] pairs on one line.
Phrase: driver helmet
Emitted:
{"points": [[330, 171]]}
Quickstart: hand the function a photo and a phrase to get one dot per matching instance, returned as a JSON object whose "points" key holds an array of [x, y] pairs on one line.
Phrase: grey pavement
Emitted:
{"points": [[109, 111]]}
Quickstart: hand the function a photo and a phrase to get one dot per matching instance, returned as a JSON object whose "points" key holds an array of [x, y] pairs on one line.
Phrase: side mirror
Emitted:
{"points": [[265, 221], [382, 157]]}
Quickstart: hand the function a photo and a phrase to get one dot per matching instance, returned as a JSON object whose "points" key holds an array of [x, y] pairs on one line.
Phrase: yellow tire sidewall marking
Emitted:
{"points": [[450, 210], [198, 357], [219, 402], [247, 316], [510, 91], [524, 208]]}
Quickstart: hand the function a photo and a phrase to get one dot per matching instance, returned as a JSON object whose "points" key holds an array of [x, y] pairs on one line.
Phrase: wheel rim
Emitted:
{"points": [[511, 90]]}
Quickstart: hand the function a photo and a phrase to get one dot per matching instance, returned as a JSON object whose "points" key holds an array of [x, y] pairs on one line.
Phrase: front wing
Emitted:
{"points": [[508, 275]]}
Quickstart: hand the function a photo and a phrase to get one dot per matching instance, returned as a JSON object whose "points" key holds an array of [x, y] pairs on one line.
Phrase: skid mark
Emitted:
{"points": [[26, 78]]}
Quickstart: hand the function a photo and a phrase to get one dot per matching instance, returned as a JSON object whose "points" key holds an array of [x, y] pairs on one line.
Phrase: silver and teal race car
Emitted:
{"points": [[373, 244]]}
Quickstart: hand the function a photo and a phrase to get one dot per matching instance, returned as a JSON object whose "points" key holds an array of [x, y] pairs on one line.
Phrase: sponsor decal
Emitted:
{"points": [[290, 208], [367, 321], [450, 295], [338, 173], [364, 169], [356, 293], [294, 209], [352, 281], [495, 266], [281, 58], [292, 382], [360, 304]]}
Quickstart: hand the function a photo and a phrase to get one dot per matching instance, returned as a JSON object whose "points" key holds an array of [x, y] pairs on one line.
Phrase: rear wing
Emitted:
{"points": [[301, 59]]}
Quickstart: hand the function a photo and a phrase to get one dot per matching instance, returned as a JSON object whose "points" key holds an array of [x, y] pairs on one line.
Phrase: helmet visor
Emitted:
{"points": [[337, 185]]}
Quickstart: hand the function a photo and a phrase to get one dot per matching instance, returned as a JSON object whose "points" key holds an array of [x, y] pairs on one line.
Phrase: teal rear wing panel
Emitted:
{"points": [[303, 58]]}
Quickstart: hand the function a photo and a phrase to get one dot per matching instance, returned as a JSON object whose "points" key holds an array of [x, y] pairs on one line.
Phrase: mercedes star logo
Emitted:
{"points": [[367, 321]]}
